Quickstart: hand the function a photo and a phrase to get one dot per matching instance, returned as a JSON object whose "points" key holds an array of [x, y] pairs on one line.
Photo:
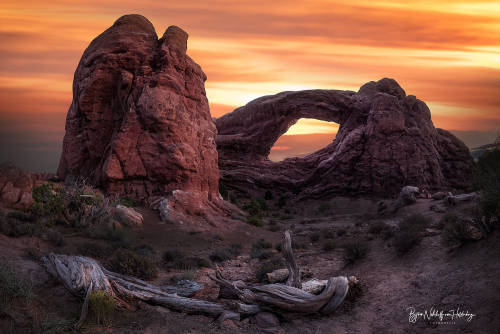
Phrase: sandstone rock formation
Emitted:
{"points": [[16, 186], [139, 124], [386, 140]]}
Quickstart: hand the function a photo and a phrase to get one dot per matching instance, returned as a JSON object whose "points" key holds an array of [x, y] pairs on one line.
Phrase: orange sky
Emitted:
{"points": [[447, 53]]}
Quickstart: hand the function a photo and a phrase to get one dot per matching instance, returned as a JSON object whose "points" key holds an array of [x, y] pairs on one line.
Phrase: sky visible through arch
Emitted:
{"points": [[447, 53]]}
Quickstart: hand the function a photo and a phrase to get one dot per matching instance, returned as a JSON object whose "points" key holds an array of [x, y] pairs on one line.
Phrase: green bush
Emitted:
{"points": [[268, 195], [128, 202], [354, 251], [48, 201], [455, 230], [410, 232], [129, 263], [102, 306]]}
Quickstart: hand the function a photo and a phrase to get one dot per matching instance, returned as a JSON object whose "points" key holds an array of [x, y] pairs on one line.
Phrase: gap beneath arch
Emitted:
{"points": [[304, 137]]}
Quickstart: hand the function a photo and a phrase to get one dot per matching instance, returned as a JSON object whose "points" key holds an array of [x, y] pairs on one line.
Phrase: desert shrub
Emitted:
{"points": [[410, 232], [255, 220], [48, 201], [13, 228], [102, 306], [55, 237], [329, 245], [220, 255], [455, 230], [93, 249], [488, 183], [127, 262], [314, 237], [21, 216], [261, 250], [262, 244], [354, 251], [119, 237], [328, 234], [235, 249], [128, 202], [382, 229], [324, 207], [146, 251], [178, 260], [170, 256], [341, 232], [267, 267], [12, 286]]}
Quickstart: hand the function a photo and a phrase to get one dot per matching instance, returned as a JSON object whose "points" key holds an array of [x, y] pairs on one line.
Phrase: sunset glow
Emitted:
{"points": [[446, 53]]}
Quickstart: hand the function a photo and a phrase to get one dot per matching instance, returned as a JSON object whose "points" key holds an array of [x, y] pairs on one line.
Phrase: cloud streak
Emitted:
{"points": [[446, 53]]}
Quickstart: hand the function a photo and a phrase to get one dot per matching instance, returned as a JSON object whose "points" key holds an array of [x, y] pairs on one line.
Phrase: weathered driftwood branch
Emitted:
{"points": [[80, 274], [293, 270], [281, 298]]}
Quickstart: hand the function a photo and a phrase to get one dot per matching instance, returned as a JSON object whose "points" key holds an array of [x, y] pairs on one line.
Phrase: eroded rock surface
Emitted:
{"points": [[139, 124], [386, 140]]}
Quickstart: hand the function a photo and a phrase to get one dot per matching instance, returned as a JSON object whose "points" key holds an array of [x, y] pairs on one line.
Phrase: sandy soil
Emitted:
{"points": [[429, 276]]}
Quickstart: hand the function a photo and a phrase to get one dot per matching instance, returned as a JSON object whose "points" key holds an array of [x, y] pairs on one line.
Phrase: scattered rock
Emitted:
{"points": [[439, 195], [408, 195], [127, 216], [16, 186], [452, 200], [386, 140]]}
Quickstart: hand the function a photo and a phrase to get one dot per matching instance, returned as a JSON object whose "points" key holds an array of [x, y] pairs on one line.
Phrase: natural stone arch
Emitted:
{"points": [[386, 140], [253, 129]]}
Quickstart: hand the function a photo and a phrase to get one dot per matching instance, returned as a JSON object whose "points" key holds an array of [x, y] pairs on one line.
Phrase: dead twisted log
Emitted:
{"points": [[82, 275]]}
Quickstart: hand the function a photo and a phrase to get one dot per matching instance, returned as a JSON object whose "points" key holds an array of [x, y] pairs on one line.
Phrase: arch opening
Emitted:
{"points": [[306, 136]]}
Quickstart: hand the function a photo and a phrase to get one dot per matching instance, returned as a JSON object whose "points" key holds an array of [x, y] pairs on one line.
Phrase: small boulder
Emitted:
{"points": [[439, 195], [408, 195], [128, 217]]}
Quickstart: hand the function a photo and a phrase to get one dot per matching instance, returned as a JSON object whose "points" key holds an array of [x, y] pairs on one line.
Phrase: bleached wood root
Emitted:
{"points": [[80, 274], [280, 298]]}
